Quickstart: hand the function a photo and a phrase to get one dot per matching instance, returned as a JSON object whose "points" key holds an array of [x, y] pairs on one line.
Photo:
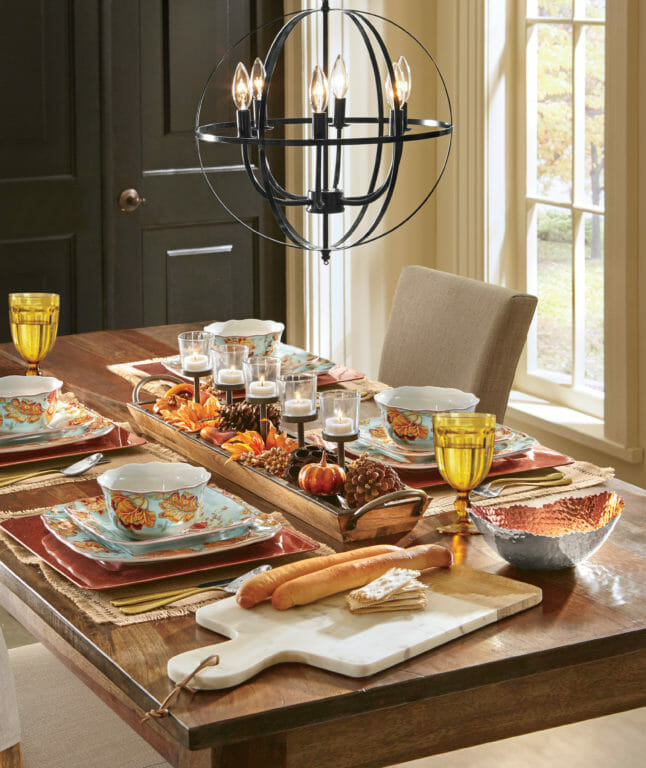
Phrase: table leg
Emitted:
{"points": [[11, 757]]}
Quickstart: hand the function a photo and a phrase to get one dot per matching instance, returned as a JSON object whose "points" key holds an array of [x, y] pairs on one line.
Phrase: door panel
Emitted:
{"points": [[50, 172], [169, 49], [199, 273], [43, 264]]}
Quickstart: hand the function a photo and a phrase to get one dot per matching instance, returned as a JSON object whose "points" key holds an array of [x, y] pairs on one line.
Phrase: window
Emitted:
{"points": [[564, 200]]}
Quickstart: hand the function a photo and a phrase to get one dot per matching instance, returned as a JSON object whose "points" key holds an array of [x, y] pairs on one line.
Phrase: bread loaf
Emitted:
{"points": [[260, 587], [356, 573]]}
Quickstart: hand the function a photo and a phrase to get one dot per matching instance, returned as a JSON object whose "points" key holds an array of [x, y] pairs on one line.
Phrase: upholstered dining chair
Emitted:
{"points": [[451, 331], [50, 718]]}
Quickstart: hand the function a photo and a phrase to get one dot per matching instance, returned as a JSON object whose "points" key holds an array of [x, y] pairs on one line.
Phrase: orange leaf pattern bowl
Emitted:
{"points": [[407, 412], [146, 501], [260, 336], [27, 403]]}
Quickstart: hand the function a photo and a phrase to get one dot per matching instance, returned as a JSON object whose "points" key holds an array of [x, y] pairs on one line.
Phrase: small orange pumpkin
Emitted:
{"points": [[322, 479]]}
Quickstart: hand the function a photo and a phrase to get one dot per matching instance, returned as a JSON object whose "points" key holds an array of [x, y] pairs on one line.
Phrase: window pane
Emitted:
{"points": [[594, 114], [554, 286], [594, 300], [595, 9], [554, 111], [555, 9]]}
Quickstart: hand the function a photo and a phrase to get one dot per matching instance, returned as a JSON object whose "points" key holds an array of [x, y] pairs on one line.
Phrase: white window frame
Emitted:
{"points": [[541, 383]]}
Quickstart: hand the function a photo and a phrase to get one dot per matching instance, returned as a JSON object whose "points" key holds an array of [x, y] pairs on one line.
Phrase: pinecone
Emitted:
{"points": [[310, 454], [240, 417], [274, 461], [366, 479]]}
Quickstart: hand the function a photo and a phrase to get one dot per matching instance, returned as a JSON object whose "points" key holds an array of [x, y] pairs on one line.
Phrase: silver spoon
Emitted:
{"points": [[77, 468]]}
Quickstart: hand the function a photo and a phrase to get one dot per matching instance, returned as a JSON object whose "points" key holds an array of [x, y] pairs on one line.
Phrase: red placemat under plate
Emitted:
{"points": [[539, 457], [88, 574], [114, 439]]}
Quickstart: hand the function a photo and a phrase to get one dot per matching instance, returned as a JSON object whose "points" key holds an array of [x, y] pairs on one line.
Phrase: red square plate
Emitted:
{"points": [[88, 574], [115, 438]]}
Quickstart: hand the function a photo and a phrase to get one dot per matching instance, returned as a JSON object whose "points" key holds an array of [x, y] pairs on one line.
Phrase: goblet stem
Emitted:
{"points": [[33, 370], [463, 526]]}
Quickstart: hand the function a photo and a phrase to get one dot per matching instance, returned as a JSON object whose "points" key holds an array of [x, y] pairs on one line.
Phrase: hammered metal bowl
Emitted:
{"points": [[561, 534]]}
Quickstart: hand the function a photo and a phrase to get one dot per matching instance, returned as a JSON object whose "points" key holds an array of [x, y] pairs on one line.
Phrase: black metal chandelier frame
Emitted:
{"points": [[323, 200]]}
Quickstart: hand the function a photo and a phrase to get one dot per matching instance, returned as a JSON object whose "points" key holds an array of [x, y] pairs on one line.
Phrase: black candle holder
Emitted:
{"points": [[228, 390], [196, 376], [263, 402], [300, 421], [340, 441]]}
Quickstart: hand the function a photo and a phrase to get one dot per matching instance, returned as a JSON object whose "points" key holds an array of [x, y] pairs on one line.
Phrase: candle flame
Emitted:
{"points": [[339, 414], [297, 396], [232, 368], [262, 378]]}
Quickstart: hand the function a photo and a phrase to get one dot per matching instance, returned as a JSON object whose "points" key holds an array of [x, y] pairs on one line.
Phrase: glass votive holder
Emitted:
{"points": [[297, 395], [261, 378], [195, 352], [228, 360], [340, 413]]}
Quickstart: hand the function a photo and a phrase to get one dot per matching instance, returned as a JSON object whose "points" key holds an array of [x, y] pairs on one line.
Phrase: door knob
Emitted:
{"points": [[129, 200]]}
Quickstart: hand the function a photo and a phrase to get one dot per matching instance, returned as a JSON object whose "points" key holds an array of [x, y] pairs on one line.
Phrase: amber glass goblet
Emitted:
{"points": [[33, 318], [463, 450]]}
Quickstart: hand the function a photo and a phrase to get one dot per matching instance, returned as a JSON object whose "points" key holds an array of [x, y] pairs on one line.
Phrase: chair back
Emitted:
{"points": [[451, 331]]}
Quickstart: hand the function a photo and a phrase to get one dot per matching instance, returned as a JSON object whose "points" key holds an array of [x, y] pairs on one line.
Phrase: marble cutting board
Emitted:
{"points": [[325, 634]]}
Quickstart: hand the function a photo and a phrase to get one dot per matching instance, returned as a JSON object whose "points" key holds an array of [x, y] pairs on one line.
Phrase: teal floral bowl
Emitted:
{"points": [[407, 412], [27, 403], [260, 336], [147, 501]]}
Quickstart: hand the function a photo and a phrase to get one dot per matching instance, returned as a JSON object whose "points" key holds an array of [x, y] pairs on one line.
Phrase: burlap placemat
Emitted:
{"points": [[136, 455], [95, 604], [582, 473]]}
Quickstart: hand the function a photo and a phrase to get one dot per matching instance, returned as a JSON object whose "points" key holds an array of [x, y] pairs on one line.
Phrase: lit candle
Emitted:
{"points": [[196, 362], [262, 388], [230, 376], [339, 425], [298, 406]]}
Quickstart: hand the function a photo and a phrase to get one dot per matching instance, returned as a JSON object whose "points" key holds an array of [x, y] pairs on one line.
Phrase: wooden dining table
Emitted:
{"points": [[580, 654]]}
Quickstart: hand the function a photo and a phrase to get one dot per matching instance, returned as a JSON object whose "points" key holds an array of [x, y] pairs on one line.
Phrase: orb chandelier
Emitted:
{"points": [[327, 130]]}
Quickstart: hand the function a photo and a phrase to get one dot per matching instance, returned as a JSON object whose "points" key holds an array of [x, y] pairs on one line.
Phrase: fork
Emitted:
{"points": [[494, 488]]}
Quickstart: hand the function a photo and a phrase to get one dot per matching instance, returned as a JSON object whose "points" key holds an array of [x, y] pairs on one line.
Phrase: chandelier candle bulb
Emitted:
{"points": [[318, 90], [258, 75], [241, 89]]}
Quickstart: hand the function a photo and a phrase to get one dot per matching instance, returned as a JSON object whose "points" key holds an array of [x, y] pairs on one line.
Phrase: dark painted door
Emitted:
{"points": [[179, 256], [50, 157], [99, 96]]}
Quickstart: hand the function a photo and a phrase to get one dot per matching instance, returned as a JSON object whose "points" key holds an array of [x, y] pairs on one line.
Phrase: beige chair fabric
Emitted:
{"points": [[451, 331], [64, 725], [9, 723]]}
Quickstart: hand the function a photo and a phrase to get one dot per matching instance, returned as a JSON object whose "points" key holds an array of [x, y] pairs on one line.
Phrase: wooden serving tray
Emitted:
{"points": [[387, 518]]}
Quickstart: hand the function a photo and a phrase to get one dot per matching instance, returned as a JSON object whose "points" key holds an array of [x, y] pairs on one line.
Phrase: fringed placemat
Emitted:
{"points": [[137, 455], [582, 474], [96, 603]]}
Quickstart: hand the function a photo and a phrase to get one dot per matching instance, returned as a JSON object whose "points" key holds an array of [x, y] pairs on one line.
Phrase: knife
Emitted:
{"points": [[149, 601]]}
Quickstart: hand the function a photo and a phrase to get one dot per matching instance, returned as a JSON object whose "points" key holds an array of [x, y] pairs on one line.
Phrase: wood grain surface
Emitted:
{"points": [[581, 653]]}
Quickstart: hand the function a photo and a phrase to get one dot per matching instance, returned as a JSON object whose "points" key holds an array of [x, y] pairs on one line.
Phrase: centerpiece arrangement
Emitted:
{"points": [[234, 419]]}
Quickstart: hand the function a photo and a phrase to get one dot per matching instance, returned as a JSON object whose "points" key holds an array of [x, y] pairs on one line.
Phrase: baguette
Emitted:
{"points": [[260, 587], [348, 575]]}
